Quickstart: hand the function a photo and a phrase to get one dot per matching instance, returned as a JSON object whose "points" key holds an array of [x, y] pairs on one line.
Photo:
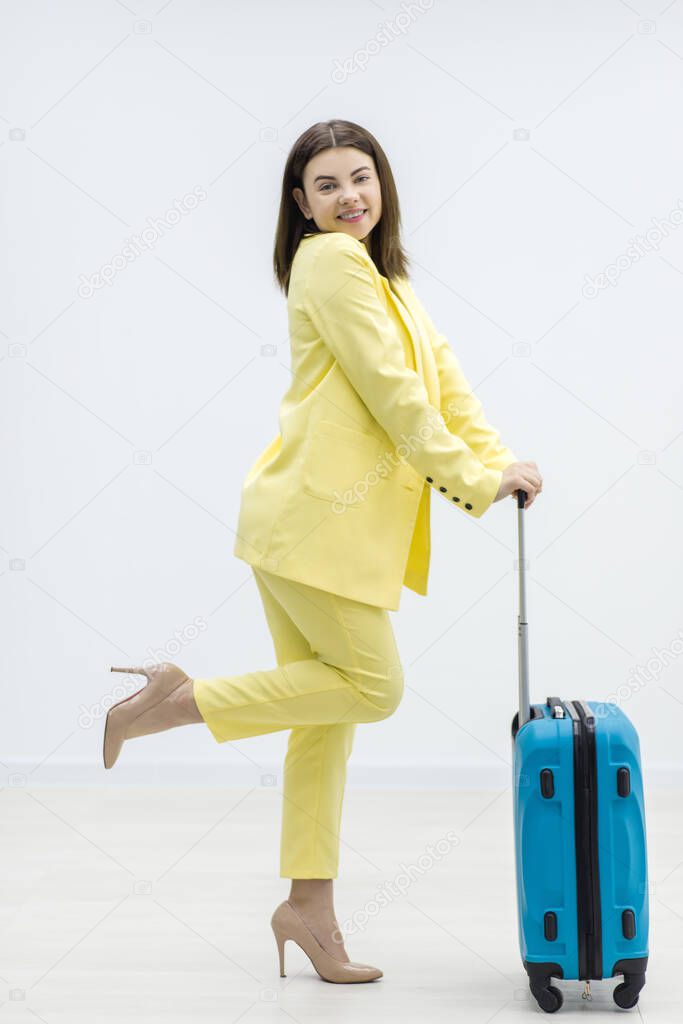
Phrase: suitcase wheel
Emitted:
{"points": [[626, 995], [549, 998]]}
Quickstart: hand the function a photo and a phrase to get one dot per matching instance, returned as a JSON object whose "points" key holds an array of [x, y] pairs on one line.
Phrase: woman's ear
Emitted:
{"points": [[301, 202]]}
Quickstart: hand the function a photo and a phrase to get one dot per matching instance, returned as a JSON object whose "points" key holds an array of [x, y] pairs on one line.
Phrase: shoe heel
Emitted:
{"points": [[280, 939]]}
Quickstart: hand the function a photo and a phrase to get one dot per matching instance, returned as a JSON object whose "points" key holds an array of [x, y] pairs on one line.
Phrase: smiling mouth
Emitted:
{"points": [[351, 215]]}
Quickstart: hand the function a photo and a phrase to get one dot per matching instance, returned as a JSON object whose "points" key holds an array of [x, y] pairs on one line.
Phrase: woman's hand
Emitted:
{"points": [[524, 476]]}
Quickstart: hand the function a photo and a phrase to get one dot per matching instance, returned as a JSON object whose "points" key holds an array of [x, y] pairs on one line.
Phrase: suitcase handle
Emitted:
{"points": [[522, 624]]}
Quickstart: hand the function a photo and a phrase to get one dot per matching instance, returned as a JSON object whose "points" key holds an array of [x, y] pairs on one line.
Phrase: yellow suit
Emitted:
{"points": [[378, 414], [334, 519]]}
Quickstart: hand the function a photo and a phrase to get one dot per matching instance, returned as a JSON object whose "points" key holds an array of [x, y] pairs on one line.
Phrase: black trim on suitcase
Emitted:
{"points": [[589, 919], [536, 712]]}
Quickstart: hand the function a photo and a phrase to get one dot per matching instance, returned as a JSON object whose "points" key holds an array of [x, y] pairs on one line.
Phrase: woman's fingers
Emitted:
{"points": [[530, 497], [533, 475], [531, 482], [523, 476], [533, 478]]}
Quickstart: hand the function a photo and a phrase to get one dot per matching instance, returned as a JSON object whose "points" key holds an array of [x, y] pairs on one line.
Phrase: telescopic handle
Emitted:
{"points": [[522, 624]]}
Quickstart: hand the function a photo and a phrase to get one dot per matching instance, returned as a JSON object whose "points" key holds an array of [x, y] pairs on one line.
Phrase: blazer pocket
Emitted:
{"points": [[343, 464]]}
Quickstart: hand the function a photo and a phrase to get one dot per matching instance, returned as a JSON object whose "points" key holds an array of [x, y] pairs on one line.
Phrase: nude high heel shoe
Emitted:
{"points": [[162, 680], [287, 923]]}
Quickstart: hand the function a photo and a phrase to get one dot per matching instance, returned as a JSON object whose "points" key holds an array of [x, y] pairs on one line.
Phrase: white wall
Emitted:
{"points": [[531, 144]]}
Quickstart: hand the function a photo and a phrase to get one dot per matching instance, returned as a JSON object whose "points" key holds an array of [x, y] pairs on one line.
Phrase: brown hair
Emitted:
{"points": [[385, 243]]}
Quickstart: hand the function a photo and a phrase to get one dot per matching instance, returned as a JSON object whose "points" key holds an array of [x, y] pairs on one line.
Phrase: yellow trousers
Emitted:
{"points": [[338, 665]]}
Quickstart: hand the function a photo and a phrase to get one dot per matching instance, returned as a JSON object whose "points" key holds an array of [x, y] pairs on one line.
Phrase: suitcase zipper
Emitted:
{"points": [[587, 864]]}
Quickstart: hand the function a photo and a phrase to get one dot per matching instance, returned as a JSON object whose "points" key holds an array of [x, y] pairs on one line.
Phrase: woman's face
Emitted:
{"points": [[338, 181]]}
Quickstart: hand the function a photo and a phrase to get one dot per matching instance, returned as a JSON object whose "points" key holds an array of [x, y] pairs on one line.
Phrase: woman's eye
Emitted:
{"points": [[363, 177]]}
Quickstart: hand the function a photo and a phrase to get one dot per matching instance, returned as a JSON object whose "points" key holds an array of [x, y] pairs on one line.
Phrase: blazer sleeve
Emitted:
{"points": [[462, 411], [342, 302]]}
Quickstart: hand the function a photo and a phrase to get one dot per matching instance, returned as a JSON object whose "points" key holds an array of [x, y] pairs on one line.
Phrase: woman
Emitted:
{"points": [[334, 517]]}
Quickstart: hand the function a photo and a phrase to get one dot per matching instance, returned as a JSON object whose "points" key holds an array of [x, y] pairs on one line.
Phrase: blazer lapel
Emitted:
{"points": [[424, 361], [397, 298]]}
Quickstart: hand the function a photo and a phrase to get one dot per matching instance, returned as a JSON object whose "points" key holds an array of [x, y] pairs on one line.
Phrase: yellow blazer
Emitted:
{"points": [[378, 415]]}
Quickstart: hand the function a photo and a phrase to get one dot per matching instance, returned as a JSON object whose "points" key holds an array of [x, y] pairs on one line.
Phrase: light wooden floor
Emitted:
{"points": [[146, 905]]}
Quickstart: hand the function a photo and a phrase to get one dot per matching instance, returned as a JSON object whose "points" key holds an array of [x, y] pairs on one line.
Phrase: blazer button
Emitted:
{"points": [[467, 505], [430, 479], [442, 489], [456, 499]]}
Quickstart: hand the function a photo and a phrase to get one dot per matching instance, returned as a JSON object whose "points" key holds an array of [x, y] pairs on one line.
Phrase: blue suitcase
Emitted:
{"points": [[580, 841]]}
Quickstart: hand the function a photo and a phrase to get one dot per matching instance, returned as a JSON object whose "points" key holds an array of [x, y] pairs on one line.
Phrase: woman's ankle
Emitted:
{"points": [[177, 708], [312, 892]]}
